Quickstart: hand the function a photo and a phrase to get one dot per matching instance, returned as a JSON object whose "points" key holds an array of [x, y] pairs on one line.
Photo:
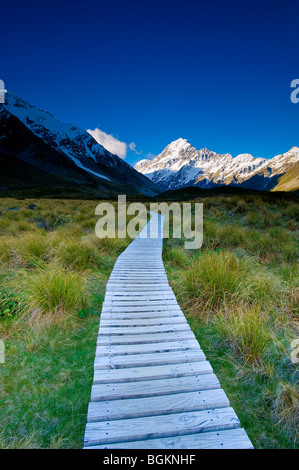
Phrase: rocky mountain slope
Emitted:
{"points": [[60, 152], [181, 165]]}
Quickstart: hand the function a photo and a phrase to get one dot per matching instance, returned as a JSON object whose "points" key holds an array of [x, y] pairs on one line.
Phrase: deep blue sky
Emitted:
{"points": [[217, 73]]}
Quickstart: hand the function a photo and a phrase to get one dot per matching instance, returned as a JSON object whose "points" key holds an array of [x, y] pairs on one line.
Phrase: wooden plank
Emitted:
{"points": [[223, 439], [140, 297], [139, 270], [143, 308], [160, 426], [142, 316], [134, 374], [112, 321], [183, 345], [143, 330], [135, 283], [140, 275], [152, 383], [148, 388], [148, 359], [158, 405], [167, 303], [140, 288], [140, 339]]}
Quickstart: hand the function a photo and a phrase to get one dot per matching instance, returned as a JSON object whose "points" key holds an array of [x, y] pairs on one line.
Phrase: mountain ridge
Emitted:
{"points": [[180, 165], [64, 150]]}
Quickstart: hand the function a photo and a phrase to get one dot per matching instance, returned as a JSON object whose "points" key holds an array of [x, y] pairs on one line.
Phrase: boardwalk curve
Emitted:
{"points": [[153, 387]]}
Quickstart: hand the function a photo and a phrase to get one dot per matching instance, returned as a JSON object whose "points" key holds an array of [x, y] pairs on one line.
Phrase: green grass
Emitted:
{"points": [[52, 282], [246, 330], [240, 294]]}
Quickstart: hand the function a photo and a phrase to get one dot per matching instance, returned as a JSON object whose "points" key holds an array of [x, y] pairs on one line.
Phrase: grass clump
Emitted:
{"points": [[78, 255], [53, 289], [215, 278], [176, 255], [247, 330], [287, 404], [32, 248], [239, 293], [6, 249]]}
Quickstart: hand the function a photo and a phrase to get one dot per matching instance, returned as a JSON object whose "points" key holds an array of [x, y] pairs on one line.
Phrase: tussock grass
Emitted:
{"points": [[32, 248], [215, 278], [239, 293], [240, 296], [53, 289], [287, 404], [79, 255], [231, 236], [6, 249], [176, 255], [247, 330]]}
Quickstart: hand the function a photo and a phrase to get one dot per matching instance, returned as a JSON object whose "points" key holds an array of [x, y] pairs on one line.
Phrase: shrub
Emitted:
{"points": [[11, 303]]}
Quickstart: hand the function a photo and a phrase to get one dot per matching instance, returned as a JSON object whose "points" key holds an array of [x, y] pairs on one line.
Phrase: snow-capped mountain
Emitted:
{"points": [[181, 165], [67, 150]]}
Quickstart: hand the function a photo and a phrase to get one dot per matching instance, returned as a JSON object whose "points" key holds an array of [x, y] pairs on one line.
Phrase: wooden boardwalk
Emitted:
{"points": [[153, 387]]}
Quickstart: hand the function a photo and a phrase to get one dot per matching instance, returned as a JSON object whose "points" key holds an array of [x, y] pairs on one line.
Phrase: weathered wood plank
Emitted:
{"points": [[223, 439], [140, 339], [141, 330], [112, 321], [151, 406], [154, 387], [148, 359], [183, 345], [143, 308], [134, 374], [143, 315], [126, 297], [160, 426]]}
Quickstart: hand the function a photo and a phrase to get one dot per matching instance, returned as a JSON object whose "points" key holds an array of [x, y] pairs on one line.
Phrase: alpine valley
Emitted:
{"points": [[181, 165]]}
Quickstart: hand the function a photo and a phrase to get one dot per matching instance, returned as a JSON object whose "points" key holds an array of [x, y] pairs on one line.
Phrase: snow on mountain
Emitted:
{"points": [[72, 140], [74, 144], [180, 165]]}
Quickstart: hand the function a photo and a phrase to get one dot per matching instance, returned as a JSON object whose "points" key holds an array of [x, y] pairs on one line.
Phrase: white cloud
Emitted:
{"points": [[109, 142], [132, 146]]}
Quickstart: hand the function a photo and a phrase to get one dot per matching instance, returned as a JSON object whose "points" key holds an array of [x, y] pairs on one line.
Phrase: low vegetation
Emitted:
{"points": [[239, 293], [52, 282]]}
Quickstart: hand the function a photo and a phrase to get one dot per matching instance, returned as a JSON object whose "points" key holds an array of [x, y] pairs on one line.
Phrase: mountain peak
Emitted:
{"points": [[180, 165], [68, 151], [178, 145]]}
